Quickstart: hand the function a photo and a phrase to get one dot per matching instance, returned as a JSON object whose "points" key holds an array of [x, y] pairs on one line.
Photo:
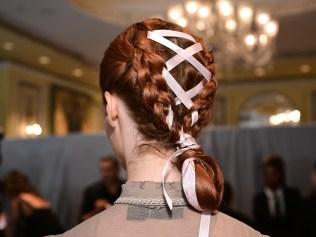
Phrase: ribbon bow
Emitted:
{"points": [[186, 142]]}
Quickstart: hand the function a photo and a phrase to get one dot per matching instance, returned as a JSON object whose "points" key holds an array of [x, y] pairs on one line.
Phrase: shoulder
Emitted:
{"points": [[86, 228], [225, 225], [222, 225], [96, 224]]}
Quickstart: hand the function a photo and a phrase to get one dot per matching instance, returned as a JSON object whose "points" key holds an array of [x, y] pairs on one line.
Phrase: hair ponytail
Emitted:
{"points": [[209, 179]]}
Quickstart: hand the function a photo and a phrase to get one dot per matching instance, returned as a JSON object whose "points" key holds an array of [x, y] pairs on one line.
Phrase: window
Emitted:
{"points": [[268, 109]]}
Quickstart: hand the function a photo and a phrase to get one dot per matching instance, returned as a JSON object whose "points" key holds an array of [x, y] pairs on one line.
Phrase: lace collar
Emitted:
{"points": [[150, 194]]}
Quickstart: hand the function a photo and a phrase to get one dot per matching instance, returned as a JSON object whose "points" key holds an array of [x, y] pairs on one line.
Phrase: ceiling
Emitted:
{"points": [[84, 28], [27, 51], [126, 11], [297, 36], [62, 24]]}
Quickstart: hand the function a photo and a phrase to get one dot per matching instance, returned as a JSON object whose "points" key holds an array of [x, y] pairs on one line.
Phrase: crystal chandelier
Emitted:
{"points": [[238, 33]]}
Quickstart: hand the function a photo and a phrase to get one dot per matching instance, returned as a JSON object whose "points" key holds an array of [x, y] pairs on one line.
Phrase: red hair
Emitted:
{"points": [[132, 69]]}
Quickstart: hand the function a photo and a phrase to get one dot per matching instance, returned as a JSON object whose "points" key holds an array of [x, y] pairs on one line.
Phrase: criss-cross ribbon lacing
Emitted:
{"points": [[186, 141], [184, 97]]}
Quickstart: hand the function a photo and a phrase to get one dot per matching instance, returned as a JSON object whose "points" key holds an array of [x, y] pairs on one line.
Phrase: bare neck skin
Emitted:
{"points": [[141, 165]]}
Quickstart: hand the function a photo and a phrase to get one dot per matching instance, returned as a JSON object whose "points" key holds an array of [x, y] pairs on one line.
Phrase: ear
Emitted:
{"points": [[111, 109]]}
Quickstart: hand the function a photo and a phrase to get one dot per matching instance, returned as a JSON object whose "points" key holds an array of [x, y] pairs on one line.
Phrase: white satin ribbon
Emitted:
{"points": [[169, 118], [158, 36], [177, 59], [177, 89], [205, 222], [164, 174], [186, 142], [172, 33], [194, 117], [183, 97], [188, 182]]}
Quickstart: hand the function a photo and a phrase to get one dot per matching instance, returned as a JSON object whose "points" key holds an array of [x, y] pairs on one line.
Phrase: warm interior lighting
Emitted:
{"points": [[175, 12], [44, 60], [204, 11], [225, 8], [260, 72], [33, 129], [271, 28], [263, 39], [8, 46], [200, 25], [305, 68], [289, 116], [231, 25], [77, 72], [182, 22], [234, 28], [250, 40], [245, 13], [191, 7], [263, 18]]}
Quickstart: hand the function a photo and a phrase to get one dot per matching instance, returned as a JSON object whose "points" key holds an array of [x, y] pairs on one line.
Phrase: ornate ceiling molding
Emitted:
{"points": [[126, 12]]}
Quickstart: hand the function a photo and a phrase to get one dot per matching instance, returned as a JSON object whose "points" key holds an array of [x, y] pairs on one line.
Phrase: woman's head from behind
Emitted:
{"points": [[131, 71]]}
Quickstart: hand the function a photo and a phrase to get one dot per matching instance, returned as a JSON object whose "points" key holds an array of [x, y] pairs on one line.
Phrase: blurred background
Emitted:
{"points": [[50, 51], [51, 114]]}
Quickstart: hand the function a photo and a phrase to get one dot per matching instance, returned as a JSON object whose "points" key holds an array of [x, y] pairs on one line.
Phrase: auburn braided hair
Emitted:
{"points": [[132, 69]]}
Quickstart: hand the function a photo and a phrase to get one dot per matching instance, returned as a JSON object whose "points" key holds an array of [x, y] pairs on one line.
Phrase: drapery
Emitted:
{"points": [[61, 167]]}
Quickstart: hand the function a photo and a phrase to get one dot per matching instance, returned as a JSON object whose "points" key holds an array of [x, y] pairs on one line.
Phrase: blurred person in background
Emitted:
{"points": [[102, 194], [227, 205], [28, 214], [276, 207], [307, 216], [3, 218], [1, 140]]}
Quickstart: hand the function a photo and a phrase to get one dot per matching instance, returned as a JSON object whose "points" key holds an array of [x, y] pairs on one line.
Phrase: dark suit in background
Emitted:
{"points": [[103, 193], [307, 216], [276, 207], [277, 224]]}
